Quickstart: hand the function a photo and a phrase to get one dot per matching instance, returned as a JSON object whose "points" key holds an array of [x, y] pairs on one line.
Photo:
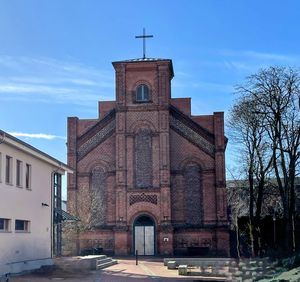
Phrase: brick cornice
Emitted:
{"points": [[96, 135], [98, 126], [191, 131]]}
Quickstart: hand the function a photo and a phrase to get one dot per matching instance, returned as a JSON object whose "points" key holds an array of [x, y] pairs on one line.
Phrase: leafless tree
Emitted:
{"points": [[275, 92], [249, 135]]}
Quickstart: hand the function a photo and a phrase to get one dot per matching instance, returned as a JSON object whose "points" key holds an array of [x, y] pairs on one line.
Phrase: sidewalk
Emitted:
{"points": [[149, 269]]}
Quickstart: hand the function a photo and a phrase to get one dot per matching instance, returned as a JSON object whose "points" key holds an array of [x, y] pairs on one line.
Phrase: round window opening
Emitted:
{"points": [[142, 93]]}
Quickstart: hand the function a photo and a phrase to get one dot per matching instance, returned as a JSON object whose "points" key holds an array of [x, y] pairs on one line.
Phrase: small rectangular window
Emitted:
{"points": [[19, 173], [8, 170], [28, 176], [4, 225], [22, 225]]}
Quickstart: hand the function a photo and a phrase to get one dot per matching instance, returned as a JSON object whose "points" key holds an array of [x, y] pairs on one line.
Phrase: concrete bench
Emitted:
{"points": [[171, 264], [183, 269]]}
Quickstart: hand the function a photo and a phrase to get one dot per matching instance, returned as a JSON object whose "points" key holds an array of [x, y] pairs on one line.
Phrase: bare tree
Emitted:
{"points": [[248, 133], [276, 92]]}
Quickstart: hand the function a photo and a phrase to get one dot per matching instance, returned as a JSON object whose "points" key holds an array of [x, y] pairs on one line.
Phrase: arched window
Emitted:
{"points": [[142, 93], [98, 197], [143, 159], [193, 194]]}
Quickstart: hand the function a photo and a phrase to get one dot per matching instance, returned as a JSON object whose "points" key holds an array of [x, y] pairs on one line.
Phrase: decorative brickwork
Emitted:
{"points": [[143, 158], [193, 195], [150, 159], [133, 199], [99, 199], [191, 135], [97, 139]]}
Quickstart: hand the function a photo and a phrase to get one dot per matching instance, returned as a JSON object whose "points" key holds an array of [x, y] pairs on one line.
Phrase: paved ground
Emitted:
{"points": [[125, 271]]}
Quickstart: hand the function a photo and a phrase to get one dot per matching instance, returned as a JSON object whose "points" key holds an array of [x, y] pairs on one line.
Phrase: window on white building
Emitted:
{"points": [[8, 170], [0, 167], [22, 225], [28, 176], [19, 173], [4, 225]]}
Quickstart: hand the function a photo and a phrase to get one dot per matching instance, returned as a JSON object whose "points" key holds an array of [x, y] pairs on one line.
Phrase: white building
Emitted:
{"points": [[28, 181]]}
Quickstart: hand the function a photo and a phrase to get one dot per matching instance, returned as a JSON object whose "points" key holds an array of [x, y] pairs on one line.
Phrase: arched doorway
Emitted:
{"points": [[144, 235]]}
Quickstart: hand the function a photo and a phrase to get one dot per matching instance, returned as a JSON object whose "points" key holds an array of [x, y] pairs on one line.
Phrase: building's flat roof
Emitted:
{"points": [[143, 60]]}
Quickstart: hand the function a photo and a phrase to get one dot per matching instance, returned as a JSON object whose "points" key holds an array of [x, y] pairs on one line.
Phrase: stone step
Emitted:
{"points": [[220, 261], [103, 260], [106, 264], [101, 257]]}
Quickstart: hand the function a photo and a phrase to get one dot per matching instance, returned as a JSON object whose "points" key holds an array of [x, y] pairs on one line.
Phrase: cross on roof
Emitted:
{"points": [[144, 36]]}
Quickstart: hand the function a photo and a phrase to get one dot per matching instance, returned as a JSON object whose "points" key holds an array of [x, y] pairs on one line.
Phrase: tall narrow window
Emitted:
{"points": [[143, 159], [0, 167], [57, 227], [28, 176], [8, 170], [19, 173], [98, 195], [193, 194], [142, 93]]}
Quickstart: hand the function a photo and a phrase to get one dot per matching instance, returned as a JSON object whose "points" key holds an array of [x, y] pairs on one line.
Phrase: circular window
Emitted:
{"points": [[142, 93]]}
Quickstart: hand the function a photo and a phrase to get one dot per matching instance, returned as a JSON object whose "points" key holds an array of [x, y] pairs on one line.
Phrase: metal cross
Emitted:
{"points": [[144, 36]]}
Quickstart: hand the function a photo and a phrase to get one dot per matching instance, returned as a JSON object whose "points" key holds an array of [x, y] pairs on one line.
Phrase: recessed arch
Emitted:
{"points": [[191, 161], [142, 124], [99, 163], [142, 93], [144, 235]]}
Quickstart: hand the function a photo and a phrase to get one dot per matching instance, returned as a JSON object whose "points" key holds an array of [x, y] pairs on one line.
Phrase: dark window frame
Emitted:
{"points": [[28, 176], [19, 172], [22, 225], [8, 170], [4, 225], [140, 95]]}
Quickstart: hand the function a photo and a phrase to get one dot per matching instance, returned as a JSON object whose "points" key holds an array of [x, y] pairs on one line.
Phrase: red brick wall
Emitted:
{"points": [[104, 107], [166, 200], [205, 121], [182, 104]]}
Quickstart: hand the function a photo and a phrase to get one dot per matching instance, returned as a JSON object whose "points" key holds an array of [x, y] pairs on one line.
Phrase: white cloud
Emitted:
{"points": [[249, 60], [36, 135], [250, 54], [53, 81]]}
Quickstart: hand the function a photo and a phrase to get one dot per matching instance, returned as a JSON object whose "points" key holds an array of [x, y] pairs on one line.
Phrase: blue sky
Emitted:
{"points": [[55, 56]]}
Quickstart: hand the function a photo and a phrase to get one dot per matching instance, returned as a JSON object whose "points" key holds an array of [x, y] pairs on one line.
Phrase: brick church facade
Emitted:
{"points": [[149, 176]]}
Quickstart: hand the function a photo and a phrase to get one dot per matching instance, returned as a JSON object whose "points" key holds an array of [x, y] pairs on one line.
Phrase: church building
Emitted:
{"points": [[149, 176]]}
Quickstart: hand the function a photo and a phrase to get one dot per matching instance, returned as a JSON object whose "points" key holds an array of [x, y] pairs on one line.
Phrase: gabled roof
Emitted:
{"points": [[8, 139]]}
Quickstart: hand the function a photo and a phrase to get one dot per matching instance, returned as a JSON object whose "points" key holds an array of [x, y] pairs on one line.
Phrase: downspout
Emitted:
{"points": [[52, 205], [52, 211]]}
